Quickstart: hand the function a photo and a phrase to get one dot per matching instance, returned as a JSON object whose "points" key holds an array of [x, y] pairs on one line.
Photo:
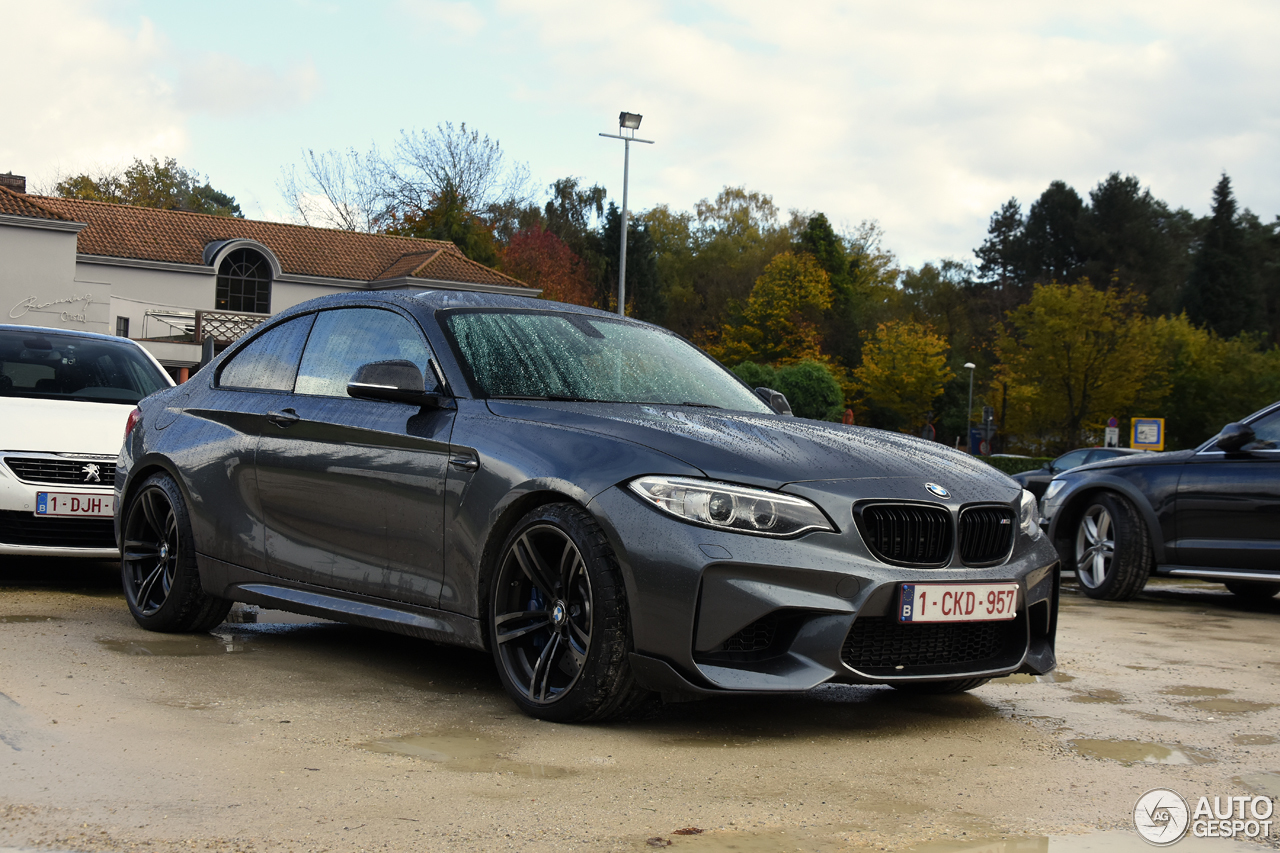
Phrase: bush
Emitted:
{"points": [[1013, 465], [809, 387]]}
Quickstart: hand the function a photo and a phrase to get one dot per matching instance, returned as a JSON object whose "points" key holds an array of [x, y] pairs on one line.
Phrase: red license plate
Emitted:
{"points": [[958, 602], [75, 504]]}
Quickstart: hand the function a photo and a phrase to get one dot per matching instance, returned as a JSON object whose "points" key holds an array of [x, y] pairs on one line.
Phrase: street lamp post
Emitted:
{"points": [[968, 413], [626, 121]]}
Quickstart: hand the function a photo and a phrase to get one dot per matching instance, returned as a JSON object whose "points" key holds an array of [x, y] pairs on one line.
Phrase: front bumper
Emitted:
{"points": [[715, 611], [23, 533]]}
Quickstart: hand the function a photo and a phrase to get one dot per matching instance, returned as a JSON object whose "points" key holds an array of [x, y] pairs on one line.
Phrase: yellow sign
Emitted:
{"points": [[1147, 434]]}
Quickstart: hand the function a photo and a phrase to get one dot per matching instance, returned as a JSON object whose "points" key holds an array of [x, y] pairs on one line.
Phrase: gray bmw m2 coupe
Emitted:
{"points": [[594, 500]]}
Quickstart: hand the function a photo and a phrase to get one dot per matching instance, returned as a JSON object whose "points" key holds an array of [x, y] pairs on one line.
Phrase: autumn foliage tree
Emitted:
{"points": [[780, 323], [541, 259], [1074, 356], [903, 371], [166, 186]]}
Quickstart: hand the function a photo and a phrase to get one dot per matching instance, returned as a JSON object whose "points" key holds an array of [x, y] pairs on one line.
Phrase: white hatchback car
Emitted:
{"points": [[65, 397]]}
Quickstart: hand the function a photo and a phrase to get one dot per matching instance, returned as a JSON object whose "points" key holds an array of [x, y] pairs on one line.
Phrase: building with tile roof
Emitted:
{"points": [[171, 278]]}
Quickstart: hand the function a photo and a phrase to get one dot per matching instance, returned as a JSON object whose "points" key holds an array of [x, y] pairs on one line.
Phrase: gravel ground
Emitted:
{"points": [[303, 736]]}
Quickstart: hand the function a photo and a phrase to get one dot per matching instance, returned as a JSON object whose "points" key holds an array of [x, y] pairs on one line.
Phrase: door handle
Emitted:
{"points": [[464, 462], [284, 418]]}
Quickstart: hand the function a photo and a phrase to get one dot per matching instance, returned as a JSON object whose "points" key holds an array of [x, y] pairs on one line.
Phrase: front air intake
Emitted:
{"points": [[907, 534], [986, 534]]}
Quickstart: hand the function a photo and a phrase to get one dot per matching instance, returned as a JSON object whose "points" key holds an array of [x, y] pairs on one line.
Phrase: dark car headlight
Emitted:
{"points": [[729, 507], [1029, 516]]}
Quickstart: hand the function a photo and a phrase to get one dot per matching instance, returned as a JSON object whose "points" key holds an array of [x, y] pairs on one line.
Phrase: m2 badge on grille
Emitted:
{"points": [[957, 602]]}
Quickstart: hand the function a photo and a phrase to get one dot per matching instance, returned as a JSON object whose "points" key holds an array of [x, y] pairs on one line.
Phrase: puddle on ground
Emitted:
{"points": [[466, 752], [263, 616], [1254, 740], [1266, 784], [1191, 690], [1132, 751], [1150, 717], [1094, 842], [178, 646], [1054, 677], [25, 617], [1140, 668], [1231, 706], [792, 840], [1100, 697]]}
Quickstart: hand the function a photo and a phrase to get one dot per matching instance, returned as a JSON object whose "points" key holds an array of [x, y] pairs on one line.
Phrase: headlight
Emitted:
{"points": [[729, 507], [1030, 514], [1055, 486]]}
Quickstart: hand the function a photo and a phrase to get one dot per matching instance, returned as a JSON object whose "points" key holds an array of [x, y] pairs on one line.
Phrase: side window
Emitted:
{"points": [[346, 338], [270, 361], [1071, 460], [1267, 430]]}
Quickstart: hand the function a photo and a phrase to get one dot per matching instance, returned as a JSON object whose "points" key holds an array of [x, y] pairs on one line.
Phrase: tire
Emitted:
{"points": [[1253, 590], [558, 619], [1112, 549], [941, 688], [158, 563]]}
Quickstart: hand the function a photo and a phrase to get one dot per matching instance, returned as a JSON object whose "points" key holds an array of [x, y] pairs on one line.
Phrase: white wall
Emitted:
{"points": [[38, 284]]}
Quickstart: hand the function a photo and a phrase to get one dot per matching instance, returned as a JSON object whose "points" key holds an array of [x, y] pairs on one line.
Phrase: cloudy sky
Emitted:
{"points": [[925, 116]]}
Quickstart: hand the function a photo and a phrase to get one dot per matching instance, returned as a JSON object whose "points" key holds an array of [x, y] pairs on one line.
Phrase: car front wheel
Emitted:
{"points": [[158, 563], [1112, 549], [558, 619]]}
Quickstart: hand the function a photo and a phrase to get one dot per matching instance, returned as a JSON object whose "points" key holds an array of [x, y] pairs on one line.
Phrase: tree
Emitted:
{"points": [[340, 189], [1220, 292], [780, 321], [1051, 235], [450, 218], [1073, 357], [644, 296], [903, 371], [1002, 256], [166, 186], [541, 259]]}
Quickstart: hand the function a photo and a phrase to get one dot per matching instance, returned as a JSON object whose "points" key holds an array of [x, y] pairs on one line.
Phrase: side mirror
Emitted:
{"points": [[396, 381], [1234, 437], [775, 400], [1048, 466]]}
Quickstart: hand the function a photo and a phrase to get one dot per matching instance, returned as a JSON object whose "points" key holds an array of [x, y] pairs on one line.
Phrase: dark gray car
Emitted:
{"points": [[594, 500]]}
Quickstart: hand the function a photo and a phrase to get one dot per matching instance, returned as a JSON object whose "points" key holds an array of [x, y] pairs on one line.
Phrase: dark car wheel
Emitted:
{"points": [[1255, 590], [158, 563], [1112, 549], [558, 619], [941, 688]]}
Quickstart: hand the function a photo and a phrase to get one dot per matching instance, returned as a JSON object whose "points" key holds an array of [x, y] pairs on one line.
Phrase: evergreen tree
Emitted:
{"points": [[1220, 293], [644, 296], [1052, 235], [1001, 257]]}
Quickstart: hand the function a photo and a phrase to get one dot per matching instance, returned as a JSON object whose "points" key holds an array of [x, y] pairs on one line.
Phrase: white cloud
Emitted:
{"points": [[226, 86], [927, 115], [431, 15]]}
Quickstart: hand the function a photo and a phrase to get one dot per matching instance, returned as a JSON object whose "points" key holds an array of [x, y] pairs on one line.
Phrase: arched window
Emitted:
{"points": [[244, 283]]}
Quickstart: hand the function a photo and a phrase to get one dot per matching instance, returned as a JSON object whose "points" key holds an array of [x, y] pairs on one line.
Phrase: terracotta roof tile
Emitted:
{"points": [[18, 204], [178, 236]]}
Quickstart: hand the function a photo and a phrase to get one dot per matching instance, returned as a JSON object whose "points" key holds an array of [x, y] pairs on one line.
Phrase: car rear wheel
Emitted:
{"points": [[1112, 549], [1253, 590], [158, 563], [941, 688], [558, 619]]}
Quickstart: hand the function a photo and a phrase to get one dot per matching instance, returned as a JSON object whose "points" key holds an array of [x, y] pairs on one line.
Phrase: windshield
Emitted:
{"points": [[563, 356], [34, 363]]}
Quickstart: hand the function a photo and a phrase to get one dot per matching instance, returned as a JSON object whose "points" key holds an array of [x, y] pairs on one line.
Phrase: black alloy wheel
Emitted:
{"points": [[558, 619], [157, 563]]}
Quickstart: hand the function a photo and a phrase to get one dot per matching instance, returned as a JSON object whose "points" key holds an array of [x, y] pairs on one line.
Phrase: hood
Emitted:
{"points": [[62, 426], [765, 450]]}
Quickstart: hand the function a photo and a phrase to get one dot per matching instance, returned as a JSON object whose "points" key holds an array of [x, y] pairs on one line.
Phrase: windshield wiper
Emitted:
{"points": [[700, 405], [557, 398]]}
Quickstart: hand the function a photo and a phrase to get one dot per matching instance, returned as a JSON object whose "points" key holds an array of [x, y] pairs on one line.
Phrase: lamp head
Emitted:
{"points": [[631, 121], [969, 365]]}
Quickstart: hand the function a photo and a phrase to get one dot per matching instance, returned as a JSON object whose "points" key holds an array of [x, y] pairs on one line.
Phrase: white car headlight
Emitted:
{"points": [[728, 507], [1030, 514]]}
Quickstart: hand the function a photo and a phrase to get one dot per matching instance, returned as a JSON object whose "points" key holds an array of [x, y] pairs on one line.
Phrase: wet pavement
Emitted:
{"points": [[286, 733]]}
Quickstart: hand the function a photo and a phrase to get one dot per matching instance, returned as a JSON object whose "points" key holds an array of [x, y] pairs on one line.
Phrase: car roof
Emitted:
{"points": [[97, 336], [441, 299]]}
